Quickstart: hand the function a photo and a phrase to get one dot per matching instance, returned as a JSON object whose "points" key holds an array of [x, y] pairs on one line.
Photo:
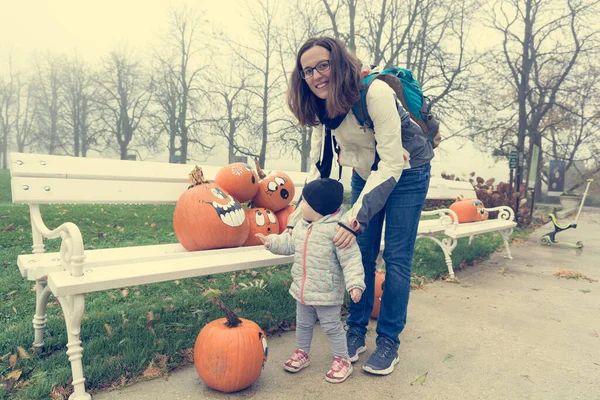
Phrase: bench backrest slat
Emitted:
{"points": [[43, 179]]}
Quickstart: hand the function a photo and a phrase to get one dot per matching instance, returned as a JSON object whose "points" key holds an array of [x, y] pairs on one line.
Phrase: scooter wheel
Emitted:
{"points": [[545, 240], [580, 244]]}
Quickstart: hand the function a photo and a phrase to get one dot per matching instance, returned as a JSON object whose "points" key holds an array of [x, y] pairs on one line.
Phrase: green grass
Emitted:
{"points": [[5, 195], [126, 330]]}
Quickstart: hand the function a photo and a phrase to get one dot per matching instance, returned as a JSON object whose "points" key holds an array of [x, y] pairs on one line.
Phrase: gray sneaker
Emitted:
{"points": [[356, 344], [383, 359]]}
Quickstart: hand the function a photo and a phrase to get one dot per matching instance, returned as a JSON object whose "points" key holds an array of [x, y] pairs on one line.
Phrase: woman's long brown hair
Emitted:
{"points": [[344, 83]]}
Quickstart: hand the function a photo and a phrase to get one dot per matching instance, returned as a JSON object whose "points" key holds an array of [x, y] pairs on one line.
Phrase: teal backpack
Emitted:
{"points": [[411, 97]]}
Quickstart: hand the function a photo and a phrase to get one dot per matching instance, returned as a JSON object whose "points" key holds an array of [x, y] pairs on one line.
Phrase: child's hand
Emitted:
{"points": [[263, 239], [356, 294]]}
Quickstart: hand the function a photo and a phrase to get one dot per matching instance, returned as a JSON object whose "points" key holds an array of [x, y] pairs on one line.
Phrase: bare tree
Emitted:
{"points": [[179, 93], [49, 84], [25, 114], [8, 95], [123, 100], [543, 43], [81, 116], [262, 61]]}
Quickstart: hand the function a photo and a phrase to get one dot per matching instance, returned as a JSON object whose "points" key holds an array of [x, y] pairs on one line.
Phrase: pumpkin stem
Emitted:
{"points": [[259, 171], [232, 319], [196, 177]]}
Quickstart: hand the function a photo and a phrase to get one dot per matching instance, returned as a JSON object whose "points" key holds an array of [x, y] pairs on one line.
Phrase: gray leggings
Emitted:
{"points": [[331, 323]]}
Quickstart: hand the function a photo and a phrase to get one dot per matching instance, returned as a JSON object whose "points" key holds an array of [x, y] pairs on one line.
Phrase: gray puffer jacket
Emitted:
{"points": [[322, 272]]}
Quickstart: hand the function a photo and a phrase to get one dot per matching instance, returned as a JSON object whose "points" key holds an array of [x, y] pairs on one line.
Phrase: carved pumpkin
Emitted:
{"points": [[260, 220], [275, 191], [230, 352], [379, 279], [469, 210], [207, 217], [239, 180], [282, 217]]}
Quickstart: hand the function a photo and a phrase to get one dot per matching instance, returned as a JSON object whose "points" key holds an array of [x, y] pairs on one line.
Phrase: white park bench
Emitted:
{"points": [[71, 273]]}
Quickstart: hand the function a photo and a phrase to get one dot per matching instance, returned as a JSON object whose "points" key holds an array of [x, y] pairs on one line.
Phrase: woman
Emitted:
{"points": [[387, 182]]}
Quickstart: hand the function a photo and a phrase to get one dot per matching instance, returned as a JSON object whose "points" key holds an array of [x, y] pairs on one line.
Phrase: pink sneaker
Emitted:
{"points": [[340, 370], [297, 361]]}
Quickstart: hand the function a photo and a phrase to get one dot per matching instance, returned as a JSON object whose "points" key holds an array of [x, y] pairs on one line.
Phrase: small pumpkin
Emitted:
{"points": [[283, 215], [379, 279], [260, 220], [469, 210], [230, 352], [239, 180], [275, 191], [207, 217]]}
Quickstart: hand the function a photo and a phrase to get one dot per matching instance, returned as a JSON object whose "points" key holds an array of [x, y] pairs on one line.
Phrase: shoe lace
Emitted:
{"points": [[385, 348], [353, 338], [297, 356]]}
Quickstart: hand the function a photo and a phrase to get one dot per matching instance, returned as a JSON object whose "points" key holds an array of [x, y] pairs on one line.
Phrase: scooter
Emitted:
{"points": [[550, 237]]}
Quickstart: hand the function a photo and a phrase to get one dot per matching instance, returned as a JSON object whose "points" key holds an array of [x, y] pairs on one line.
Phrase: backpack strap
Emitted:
{"points": [[360, 107]]}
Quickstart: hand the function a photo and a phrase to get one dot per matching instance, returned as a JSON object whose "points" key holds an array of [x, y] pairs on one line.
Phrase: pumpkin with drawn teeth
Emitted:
{"points": [[275, 191], [207, 217], [469, 210]]}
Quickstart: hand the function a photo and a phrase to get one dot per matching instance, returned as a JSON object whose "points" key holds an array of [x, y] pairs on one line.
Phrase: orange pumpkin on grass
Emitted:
{"points": [[282, 217], [260, 220], [239, 180], [207, 217], [469, 210], [230, 352], [275, 191]]}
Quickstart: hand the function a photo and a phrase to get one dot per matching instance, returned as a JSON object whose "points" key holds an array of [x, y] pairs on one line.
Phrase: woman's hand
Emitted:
{"points": [[343, 237], [356, 294]]}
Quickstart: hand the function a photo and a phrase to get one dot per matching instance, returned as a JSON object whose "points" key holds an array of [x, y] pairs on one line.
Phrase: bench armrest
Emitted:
{"points": [[71, 248], [446, 216], [504, 212]]}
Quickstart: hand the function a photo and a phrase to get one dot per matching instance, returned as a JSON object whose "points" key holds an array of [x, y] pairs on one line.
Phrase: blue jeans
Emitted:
{"points": [[402, 212]]}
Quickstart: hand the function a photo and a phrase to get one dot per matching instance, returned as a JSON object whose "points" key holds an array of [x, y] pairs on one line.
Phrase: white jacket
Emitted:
{"points": [[359, 146]]}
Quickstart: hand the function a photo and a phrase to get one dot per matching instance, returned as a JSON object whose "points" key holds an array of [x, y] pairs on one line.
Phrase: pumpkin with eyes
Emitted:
{"points": [[239, 180], [275, 191], [469, 210], [260, 220], [207, 217]]}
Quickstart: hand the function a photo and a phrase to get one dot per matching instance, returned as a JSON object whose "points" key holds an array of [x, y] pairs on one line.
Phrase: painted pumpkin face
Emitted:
{"points": [[207, 217], [282, 217], [469, 210], [239, 180], [275, 191], [260, 220]]}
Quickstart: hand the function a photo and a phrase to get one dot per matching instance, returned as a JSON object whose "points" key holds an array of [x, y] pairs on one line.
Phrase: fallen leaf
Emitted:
{"points": [[501, 270], [120, 229], [15, 374], [419, 380], [153, 225], [11, 293], [12, 361], [211, 291], [108, 329], [152, 371], [14, 309], [125, 292], [9, 228], [150, 316], [176, 282], [448, 357], [23, 353]]}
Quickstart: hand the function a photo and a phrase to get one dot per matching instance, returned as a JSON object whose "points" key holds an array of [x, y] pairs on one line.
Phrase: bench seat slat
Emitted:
{"points": [[63, 284], [477, 228], [35, 266]]}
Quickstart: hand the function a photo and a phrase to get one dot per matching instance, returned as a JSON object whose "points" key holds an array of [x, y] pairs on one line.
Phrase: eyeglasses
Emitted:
{"points": [[321, 67]]}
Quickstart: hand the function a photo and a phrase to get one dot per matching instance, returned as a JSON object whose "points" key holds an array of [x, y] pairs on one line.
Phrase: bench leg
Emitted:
{"points": [[447, 245], [506, 235], [73, 310], [42, 293]]}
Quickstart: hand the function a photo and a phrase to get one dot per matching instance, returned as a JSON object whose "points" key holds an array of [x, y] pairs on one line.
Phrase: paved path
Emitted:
{"points": [[509, 330]]}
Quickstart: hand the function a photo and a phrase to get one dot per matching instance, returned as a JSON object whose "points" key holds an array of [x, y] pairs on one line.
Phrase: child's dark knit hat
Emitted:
{"points": [[324, 195]]}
